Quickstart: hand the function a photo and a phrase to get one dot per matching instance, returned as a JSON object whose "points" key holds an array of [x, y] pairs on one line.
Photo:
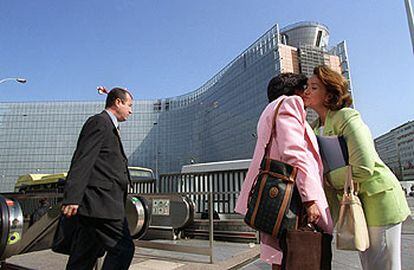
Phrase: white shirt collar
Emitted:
{"points": [[113, 118]]}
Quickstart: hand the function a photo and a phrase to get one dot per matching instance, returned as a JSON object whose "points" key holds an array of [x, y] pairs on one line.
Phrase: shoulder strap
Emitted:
{"points": [[273, 131]]}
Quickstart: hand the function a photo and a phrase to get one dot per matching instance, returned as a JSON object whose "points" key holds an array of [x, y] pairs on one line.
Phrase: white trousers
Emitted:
{"points": [[384, 252]]}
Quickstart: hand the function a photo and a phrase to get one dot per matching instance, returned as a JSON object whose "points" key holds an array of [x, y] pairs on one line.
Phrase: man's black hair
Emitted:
{"points": [[115, 93]]}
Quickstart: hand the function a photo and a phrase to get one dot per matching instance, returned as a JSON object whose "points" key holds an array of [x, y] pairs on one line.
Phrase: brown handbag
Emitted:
{"points": [[274, 201], [306, 248]]}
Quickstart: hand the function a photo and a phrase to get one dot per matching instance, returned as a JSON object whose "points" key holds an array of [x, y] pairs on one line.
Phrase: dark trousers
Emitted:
{"points": [[96, 235]]}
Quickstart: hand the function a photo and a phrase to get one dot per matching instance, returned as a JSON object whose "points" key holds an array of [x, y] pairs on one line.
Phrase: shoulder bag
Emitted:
{"points": [[274, 202]]}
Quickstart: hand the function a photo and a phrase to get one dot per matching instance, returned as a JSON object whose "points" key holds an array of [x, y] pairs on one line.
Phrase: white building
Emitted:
{"points": [[396, 149]]}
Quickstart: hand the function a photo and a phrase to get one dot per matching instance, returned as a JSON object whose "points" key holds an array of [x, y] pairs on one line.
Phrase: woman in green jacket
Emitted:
{"points": [[381, 194]]}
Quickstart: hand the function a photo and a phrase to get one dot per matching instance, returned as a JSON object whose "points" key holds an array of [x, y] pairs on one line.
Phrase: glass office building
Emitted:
{"points": [[213, 123]]}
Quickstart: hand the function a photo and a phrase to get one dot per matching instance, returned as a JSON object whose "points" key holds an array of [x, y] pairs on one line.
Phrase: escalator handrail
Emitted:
{"points": [[5, 224], [145, 226]]}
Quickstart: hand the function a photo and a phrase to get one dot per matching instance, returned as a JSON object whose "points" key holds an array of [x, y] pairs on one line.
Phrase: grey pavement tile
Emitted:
{"points": [[155, 265], [349, 260], [257, 265], [42, 260], [223, 253]]}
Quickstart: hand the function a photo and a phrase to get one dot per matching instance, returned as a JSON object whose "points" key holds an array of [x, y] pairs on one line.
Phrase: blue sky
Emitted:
{"points": [[167, 48]]}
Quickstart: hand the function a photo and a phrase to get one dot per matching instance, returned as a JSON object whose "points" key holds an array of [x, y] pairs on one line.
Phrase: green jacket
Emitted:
{"points": [[380, 192]]}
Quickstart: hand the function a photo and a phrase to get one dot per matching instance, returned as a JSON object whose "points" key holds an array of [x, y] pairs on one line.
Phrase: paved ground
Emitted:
{"points": [[348, 260], [226, 256]]}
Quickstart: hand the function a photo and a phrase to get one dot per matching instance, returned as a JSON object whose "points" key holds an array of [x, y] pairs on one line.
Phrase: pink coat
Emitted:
{"points": [[295, 144]]}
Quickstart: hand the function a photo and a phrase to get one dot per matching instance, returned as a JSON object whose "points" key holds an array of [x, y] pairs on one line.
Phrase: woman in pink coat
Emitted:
{"points": [[295, 144]]}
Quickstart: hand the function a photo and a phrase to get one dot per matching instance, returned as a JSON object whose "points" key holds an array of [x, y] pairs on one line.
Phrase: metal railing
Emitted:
{"points": [[212, 191], [142, 187], [225, 186]]}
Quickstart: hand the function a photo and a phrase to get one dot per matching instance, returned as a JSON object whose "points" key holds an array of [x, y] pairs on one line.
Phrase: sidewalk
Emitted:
{"points": [[349, 260], [225, 256]]}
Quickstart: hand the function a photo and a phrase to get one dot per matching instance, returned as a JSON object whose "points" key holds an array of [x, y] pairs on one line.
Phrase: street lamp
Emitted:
{"points": [[410, 20], [102, 90], [19, 80]]}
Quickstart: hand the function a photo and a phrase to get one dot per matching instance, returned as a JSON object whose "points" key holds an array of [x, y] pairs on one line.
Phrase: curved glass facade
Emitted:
{"points": [[213, 123]]}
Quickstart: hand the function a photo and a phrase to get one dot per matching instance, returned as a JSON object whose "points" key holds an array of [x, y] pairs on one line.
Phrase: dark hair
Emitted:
{"points": [[286, 84], [115, 93], [338, 95]]}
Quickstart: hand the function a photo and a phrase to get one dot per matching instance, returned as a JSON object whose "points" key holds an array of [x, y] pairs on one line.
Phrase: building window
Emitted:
{"points": [[157, 106], [319, 38]]}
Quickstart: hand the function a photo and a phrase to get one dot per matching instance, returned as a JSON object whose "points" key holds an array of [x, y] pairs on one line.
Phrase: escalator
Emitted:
{"points": [[11, 225], [18, 235]]}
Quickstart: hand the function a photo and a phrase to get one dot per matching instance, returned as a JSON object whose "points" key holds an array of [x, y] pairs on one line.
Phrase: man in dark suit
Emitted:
{"points": [[96, 189]]}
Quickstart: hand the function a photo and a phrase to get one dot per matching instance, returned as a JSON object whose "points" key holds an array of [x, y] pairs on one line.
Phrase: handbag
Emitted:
{"points": [[274, 201], [351, 229], [306, 248]]}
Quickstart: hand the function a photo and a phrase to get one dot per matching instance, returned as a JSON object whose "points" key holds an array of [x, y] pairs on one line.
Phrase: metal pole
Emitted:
{"points": [[98, 264], [156, 156], [156, 149], [211, 225], [400, 169], [410, 20]]}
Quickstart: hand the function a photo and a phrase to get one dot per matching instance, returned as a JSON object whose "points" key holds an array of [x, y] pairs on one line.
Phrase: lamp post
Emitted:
{"points": [[19, 80], [410, 19]]}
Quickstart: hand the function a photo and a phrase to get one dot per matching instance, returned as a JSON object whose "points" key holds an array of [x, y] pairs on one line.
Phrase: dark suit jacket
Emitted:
{"points": [[98, 177]]}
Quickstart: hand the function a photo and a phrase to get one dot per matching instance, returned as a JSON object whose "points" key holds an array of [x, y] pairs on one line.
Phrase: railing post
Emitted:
{"points": [[211, 224], [98, 264]]}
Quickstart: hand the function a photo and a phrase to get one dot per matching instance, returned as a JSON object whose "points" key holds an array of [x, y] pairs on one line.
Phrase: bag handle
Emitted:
{"points": [[349, 186], [273, 131]]}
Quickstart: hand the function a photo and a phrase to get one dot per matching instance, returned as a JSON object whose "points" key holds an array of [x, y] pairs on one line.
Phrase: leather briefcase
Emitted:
{"points": [[306, 248], [65, 234]]}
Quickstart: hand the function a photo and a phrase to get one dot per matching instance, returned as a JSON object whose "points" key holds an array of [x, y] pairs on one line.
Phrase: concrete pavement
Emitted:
{"points": [[226, 256], [349, 260]]}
